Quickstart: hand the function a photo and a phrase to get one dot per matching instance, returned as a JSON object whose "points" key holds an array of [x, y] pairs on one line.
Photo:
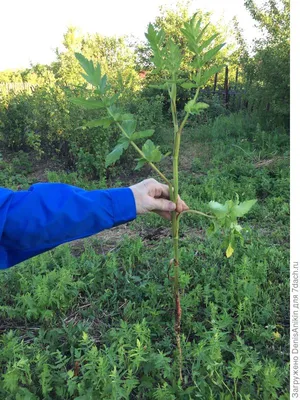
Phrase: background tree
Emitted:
{"points": [[268, 70]]}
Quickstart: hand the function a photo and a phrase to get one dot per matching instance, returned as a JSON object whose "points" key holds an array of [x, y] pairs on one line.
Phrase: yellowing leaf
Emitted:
{"points": [[276, 335], [229, 251]]}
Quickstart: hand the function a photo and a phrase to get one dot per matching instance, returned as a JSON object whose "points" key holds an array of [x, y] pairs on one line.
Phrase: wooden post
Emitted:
{"points": [[236, 99], [226, 87], [215, 83]]}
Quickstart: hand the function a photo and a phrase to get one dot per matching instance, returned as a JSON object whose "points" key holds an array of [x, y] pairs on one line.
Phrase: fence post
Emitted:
{"points": [[226, 87], [236, 98], [215, 83]]}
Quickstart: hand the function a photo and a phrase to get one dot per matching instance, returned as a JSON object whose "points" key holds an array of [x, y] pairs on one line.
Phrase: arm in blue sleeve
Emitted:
{"points": [[49, 214]]}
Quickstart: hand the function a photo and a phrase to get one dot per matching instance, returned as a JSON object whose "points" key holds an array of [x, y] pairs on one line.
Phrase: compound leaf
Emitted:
{"points": [[93, 75], [241, 209]]}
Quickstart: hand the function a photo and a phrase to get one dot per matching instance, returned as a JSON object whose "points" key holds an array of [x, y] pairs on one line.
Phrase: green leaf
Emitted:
{"points": [[86, 64], [173, 57], [195, 108], [140, 164], [211, 53], [129, 125], [191, 32], [208, 74], [164, 86], [117, 115], [142, 134], [110, 102], [155, 38], [189, 106], [89, 104], [93, 75], [202, 32], [157, 86], [116, 153], [191, 40], [151, 152], [241, 209], [104, 122], [201, 106], [188, 85], [103, 83], [236, 228], [208, 41], [220, 210]]}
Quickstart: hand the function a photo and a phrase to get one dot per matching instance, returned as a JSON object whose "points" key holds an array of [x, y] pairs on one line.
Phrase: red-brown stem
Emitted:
{"points": [[177, 331]]}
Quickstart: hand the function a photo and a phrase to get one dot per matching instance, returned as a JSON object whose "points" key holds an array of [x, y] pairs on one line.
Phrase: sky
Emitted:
{"points": [[31, 30]]}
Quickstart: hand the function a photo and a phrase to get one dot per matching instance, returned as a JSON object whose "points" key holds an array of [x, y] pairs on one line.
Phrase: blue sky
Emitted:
{"points": [[30, 30]]}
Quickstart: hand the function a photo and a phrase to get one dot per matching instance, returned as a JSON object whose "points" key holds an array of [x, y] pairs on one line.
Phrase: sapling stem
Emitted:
{"points": [[175, 218], [173, 190], [167, 59]]}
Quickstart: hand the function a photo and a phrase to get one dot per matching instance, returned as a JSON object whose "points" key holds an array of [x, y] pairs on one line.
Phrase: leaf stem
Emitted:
{"points": [[195, 212]]}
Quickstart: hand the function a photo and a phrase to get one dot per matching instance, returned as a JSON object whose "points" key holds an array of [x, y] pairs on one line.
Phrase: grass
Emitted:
{"points": [[99, 323]]}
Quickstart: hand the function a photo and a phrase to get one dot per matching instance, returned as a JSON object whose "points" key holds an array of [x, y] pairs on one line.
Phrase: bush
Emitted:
{"points": [[16, 119], [45, 121], [147, 109], [21, 163]]}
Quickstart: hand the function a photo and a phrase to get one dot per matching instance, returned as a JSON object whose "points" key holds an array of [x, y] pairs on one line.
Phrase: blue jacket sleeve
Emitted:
{"points": [[49, 214]]}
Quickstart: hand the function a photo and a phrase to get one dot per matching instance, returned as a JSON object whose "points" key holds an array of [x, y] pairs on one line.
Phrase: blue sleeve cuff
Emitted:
{"points": [[123, 205]]}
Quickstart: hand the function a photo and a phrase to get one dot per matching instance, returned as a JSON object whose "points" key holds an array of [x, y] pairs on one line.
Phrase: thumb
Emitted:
{"points": [[161, 205]]}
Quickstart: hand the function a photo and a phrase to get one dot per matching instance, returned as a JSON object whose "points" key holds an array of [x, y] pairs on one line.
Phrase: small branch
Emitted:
{"points": [[143, 155], [187, 114], [161, 175], [183, 123], [195, 212]]}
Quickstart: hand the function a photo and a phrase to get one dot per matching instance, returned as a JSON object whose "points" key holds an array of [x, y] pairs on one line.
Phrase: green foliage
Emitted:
{"points": [[126, 122], [83, 323], [268, 71], [98, 323], [172, 21], [45, 122], [148, 109], [21, 162], [167, 59], [227, 215], [14, 173]]}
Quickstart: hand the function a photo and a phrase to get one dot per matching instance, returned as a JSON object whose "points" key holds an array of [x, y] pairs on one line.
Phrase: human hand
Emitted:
{"points": [[150, 195]]}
